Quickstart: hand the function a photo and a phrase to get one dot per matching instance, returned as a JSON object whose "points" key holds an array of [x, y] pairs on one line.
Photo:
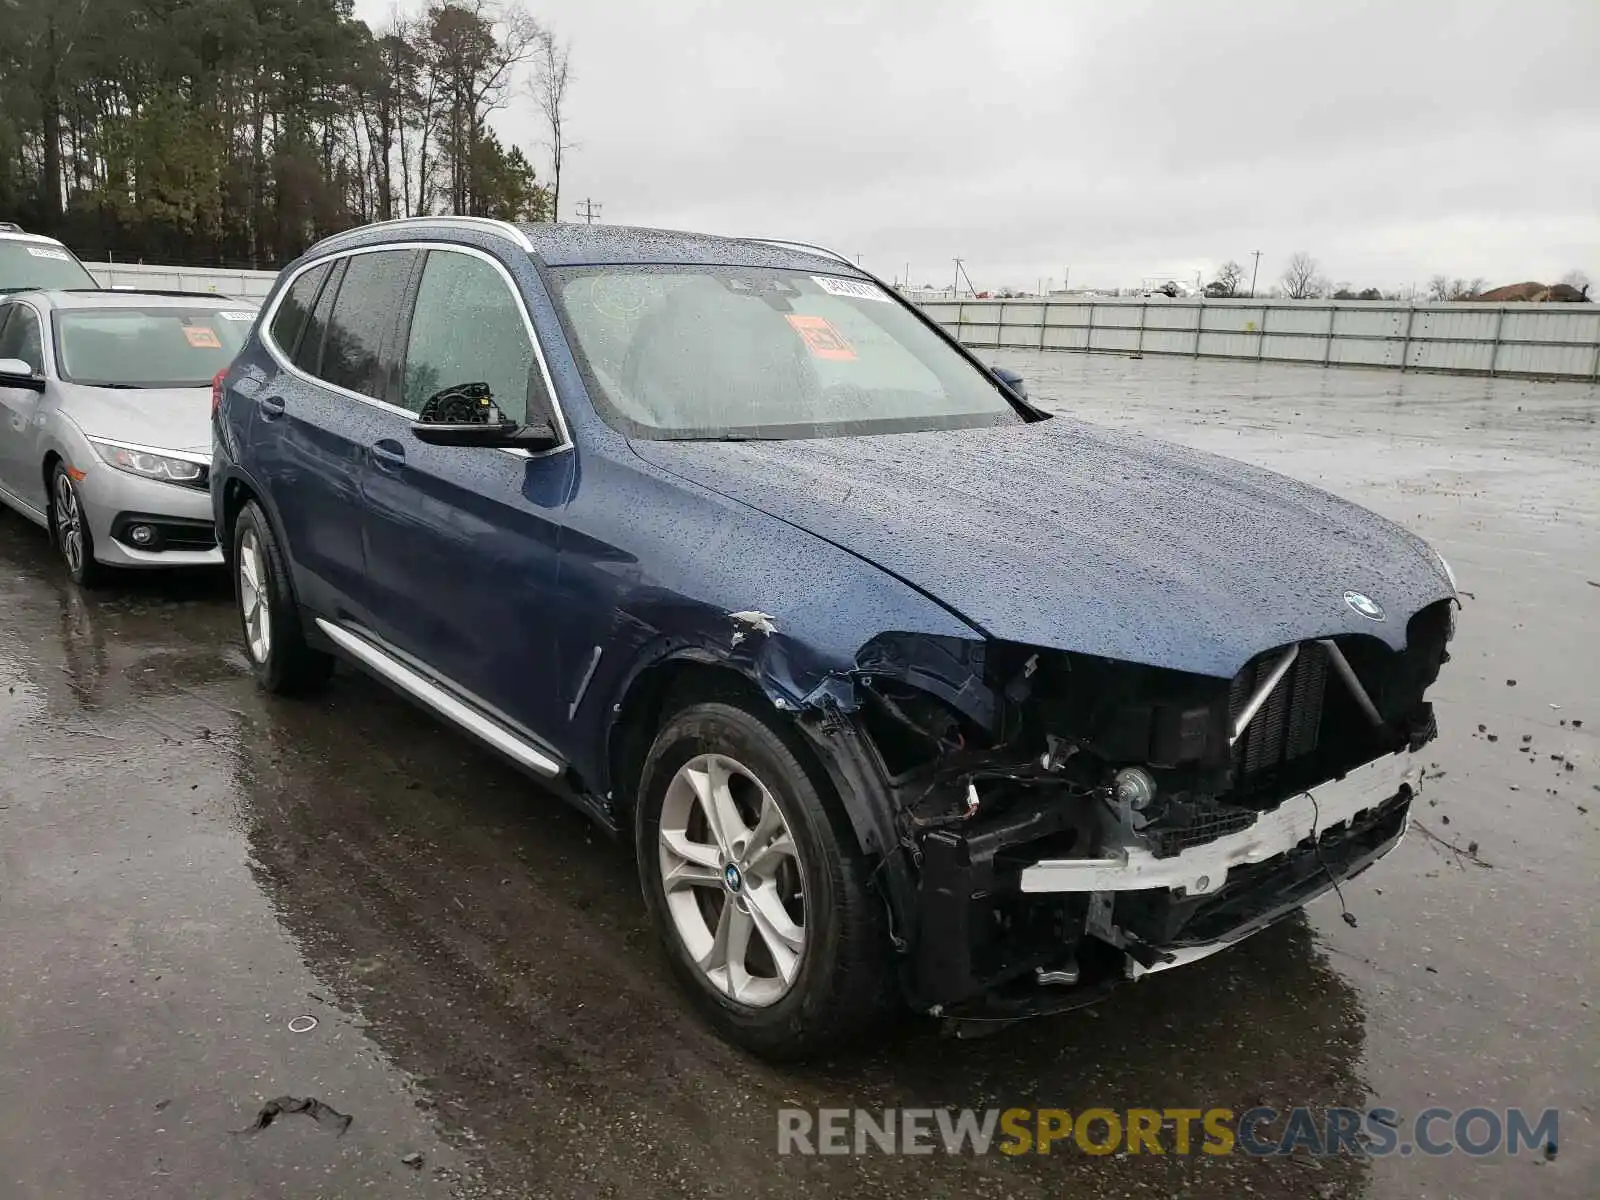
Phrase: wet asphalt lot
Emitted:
{"points": [[186, 865]]}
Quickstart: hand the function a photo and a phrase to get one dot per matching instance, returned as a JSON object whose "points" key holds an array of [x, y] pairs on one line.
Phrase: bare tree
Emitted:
{"points": [[1229, 276], [1441, 287], [550, 91], [1300, 278]]}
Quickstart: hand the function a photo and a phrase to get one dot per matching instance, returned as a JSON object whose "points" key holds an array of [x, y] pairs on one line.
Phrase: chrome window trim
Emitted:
{"points": [[270, 314], [503, 229]]}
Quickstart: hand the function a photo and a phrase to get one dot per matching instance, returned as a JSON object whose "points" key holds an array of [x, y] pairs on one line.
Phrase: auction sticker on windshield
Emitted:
{"points": [[202, 338], [821, 338], [852, 289], [46, 252], [237, 316]]}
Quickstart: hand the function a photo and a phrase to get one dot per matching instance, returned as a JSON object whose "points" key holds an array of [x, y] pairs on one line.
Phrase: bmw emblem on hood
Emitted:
{"points": [[1365, 606]]}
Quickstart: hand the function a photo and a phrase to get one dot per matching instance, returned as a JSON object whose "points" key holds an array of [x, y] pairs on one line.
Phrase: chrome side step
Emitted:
{"points": [[441, 701]]}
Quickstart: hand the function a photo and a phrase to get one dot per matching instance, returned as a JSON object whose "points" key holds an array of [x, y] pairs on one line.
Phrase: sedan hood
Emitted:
{"points": [[1067, 536], [160, 418]]}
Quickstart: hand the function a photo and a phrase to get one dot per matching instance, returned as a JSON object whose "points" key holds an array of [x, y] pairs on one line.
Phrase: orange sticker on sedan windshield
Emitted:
{"points": [[821, 338], [202, 338]]}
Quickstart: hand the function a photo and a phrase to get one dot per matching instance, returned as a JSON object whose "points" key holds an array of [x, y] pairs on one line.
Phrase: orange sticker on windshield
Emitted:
{"points": [[202, 338], [821, 338]]}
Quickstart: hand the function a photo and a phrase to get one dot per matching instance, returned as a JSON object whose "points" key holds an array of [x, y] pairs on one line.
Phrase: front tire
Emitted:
{"points": [[274, 640], [757, 889], [69, 530]]}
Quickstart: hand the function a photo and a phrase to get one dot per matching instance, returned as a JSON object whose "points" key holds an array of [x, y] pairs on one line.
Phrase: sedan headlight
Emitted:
{"points": [[150, 465]]}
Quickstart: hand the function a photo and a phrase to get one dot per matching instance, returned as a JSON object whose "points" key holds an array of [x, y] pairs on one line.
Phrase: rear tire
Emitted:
{"points": [[768, 923], [274, 640], [69, 531]]}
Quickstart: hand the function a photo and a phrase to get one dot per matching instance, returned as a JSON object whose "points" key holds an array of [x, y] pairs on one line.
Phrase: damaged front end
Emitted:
{"points": [[1061, 822]]}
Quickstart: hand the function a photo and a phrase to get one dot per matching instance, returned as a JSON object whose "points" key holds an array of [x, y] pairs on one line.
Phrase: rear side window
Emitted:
{"points": [[295, 310], [308, 355], [363, 320], [21, 339], [468, 328]]}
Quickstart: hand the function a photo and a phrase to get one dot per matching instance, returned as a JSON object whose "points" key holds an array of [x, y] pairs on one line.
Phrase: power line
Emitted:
{"points": [[589, 211], [1253, 271]]}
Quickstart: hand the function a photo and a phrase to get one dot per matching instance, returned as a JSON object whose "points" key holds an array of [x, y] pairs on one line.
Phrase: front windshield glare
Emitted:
{"points": [[708, 352], [148, 347]]}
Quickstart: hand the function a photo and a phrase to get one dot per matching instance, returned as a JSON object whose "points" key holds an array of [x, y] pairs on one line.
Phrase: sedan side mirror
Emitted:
{"points": [[18, 374], [1012, 380]]}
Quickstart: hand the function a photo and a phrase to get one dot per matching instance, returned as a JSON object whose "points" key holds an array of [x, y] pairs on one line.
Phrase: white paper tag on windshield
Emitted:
{"points": [[237, 316], [45, 252], [851, 289]]}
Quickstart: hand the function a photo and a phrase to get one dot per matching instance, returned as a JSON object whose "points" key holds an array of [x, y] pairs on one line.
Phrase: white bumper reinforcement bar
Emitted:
{"points": [[1205, 868]]}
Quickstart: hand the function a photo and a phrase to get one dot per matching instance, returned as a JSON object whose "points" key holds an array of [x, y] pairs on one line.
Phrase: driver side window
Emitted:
{"points": [[467, 328], [20, 337]]}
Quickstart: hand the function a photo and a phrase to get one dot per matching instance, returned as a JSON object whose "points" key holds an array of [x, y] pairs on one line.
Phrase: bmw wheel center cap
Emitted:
{"points": [[732, 877], [1364, 606]]}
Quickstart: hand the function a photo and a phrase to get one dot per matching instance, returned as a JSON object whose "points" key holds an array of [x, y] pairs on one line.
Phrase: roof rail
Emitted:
{"points": [[11, 227], [822, 250], [503, 229], [170, 293]]}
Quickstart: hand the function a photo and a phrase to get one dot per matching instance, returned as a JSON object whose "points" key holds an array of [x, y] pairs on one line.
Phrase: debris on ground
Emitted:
{"points": [[413, 1160], [1463, 854], [1511, 683], [322, 1114]]}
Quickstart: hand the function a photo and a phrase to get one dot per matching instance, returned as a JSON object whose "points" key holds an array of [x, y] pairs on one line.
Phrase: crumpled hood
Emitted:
{"points": [[1065, 535], [160, 418]]}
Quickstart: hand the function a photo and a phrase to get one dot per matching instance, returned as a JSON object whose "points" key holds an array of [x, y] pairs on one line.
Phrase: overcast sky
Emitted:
{"points": [[1392, 139]]}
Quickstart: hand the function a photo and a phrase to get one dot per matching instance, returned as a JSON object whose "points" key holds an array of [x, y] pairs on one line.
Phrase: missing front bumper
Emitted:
{"points": [[994, 925], [1204, 869]]}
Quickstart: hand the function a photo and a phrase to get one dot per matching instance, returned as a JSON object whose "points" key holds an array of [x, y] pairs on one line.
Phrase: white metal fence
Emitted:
{"points": [[244, 284], [1538, 340]]}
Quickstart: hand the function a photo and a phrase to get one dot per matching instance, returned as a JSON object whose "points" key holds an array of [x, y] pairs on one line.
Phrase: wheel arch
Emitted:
{"points": [[828, 742]]}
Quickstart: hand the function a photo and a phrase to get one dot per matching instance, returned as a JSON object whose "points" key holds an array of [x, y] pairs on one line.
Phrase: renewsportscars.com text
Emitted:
{"points": [[1371, 1132]]}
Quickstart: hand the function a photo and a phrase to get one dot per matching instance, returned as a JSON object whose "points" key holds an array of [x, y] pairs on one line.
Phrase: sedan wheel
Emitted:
{"points": [[70, 529], [255, 603]]}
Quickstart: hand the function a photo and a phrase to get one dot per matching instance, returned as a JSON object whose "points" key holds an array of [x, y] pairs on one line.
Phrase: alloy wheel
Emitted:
{"points": [[733, 879], [69, 523], [254, 605]]}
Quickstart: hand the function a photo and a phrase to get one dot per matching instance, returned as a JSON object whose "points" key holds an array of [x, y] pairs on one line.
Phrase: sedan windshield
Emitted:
{"points": [[148, 347], [701, 352], [31, 266]]}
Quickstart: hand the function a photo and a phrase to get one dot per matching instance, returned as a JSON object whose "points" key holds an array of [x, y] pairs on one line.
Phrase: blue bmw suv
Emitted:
{"points": [[905, 691]]}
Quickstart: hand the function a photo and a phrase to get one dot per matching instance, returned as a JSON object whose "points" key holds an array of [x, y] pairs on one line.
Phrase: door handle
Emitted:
{"points": [[271, 407], [389, 453]]}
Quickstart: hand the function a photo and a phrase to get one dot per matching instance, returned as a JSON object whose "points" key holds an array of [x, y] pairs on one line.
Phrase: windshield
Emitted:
{"points": [[148, 347], [29, 266], [709, 352]]}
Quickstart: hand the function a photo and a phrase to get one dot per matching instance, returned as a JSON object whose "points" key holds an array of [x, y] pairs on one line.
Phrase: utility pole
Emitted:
{"points": [[1253, 271], [1066, 279], [589, 211], [955, 288]]}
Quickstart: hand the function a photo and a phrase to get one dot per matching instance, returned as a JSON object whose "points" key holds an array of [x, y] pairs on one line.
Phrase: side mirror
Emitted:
{"points": [[465, 415], [1012, 380], [18, 374], [539, 435]]}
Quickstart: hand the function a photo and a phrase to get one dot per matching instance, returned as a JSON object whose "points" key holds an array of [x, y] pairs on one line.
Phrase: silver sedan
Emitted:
{"points": [[105, 421]]}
